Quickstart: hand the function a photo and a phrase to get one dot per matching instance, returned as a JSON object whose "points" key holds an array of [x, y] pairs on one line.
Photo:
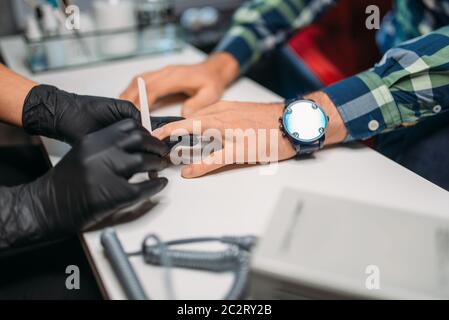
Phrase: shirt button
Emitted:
{"points": [[437, 108], [373, 125]]}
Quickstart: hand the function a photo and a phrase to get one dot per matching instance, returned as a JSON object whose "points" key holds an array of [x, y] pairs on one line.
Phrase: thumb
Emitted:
{"points": [[152, 98], [201, 99]]}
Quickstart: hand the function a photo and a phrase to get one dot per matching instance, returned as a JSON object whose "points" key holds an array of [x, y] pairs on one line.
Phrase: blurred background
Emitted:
{"points": [[13, 17], [201, 23]]}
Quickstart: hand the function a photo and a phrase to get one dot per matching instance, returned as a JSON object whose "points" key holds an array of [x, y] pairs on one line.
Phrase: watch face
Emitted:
{"points": [[305, 121]]}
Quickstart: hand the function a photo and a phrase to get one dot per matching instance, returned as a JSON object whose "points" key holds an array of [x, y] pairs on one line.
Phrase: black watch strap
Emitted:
{"points": [[304, 148]]}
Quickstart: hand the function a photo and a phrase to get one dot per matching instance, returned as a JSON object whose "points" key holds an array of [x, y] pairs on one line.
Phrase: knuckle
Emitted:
{"points": [[139, 137], [214, 87], [85, 163], [128, 104], [219, 105], [187, 107], [140, 159], [129, 123]]}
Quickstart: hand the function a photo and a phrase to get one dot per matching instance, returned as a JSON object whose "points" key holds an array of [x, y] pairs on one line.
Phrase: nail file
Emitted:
{"points": [[144, 108]]}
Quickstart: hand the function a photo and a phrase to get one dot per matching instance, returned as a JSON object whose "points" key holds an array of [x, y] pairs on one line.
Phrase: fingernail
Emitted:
{"points": [[187, 171]]}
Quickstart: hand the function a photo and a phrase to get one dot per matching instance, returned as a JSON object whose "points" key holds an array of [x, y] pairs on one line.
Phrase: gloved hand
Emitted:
{"points": [[68, 117], [89, 184]]}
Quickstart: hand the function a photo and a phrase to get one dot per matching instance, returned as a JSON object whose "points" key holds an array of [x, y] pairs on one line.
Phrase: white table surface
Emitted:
{"points": [[233, 202]]}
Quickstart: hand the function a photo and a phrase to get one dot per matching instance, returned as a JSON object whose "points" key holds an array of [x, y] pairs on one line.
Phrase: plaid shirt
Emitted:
{"points": [[410, 83]]}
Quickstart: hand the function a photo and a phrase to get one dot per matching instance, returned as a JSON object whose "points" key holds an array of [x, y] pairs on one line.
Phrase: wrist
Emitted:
{"points": [[39, 110], [225, 66], [337, 131], [51, 219]]}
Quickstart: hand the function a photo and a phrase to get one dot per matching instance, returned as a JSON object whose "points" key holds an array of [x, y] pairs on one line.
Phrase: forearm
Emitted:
{"points": [[13, 91], [409, 84], [261, 26]]}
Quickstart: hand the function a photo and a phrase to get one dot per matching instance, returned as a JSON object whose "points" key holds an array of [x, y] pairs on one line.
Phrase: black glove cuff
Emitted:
{"points": [[39, 111], [20, 223]]}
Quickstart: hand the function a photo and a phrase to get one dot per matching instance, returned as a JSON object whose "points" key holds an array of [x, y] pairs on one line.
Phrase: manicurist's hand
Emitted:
{"points": [[68, 117], [249, 133], [89, 184], [92, 180], [204, 83]]}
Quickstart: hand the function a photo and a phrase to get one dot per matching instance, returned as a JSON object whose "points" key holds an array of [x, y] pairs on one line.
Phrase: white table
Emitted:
{"points": [[234, 202]]}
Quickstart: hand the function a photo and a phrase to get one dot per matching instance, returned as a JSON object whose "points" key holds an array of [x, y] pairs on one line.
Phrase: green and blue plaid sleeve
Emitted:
{"points": [[259, 26], [409, 84]]}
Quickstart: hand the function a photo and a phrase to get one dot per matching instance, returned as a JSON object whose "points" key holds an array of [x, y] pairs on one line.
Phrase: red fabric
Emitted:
{"points": [[339, 45]]}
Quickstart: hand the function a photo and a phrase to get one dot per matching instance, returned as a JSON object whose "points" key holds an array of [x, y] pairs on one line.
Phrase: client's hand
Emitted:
{"points": [[249, 133], [204, 83]]}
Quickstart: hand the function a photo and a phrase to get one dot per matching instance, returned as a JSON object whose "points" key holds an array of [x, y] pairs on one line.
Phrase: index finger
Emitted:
{"points": [[189, 126]]}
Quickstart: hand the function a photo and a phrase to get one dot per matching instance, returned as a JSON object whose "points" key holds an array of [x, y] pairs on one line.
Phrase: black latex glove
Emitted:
{"points": [[89, 184], [68, 117]]}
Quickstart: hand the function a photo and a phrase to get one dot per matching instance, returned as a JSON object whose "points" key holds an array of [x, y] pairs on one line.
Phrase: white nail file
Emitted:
{"points": [[144, 108]]}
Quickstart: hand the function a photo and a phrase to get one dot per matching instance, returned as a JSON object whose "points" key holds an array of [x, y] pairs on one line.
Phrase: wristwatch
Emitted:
{"points": [[305, 124]]}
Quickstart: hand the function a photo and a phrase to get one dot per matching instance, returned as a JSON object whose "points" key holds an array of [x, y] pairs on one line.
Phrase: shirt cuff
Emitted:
{"points": [[365, 104], [240, 43]]}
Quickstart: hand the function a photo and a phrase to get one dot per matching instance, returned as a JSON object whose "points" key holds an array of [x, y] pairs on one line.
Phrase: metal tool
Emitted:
{"points": [[121, 265]]}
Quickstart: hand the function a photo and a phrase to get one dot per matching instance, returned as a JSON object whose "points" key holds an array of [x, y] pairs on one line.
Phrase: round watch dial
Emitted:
{"points": [[305, 121]]}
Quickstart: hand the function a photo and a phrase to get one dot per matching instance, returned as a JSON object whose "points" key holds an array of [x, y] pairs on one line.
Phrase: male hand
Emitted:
{"points": [[254, 126], [204, 83], [256, 135]]}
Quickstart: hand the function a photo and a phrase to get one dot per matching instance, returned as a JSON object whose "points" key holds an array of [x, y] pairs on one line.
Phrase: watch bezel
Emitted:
{"points": [[310, 141]]}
